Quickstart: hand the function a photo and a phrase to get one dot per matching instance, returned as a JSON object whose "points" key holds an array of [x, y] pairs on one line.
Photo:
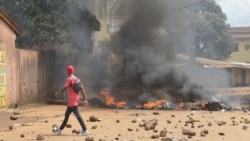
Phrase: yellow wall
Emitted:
{"points": [[101, 14], [243, 54], [2, 79]]}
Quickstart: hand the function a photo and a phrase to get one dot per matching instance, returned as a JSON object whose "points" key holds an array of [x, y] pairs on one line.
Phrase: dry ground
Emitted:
{"points": [[117, 124]]}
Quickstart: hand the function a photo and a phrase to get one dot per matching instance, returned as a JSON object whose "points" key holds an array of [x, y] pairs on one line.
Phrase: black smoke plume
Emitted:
{"points": [[145, 47]]}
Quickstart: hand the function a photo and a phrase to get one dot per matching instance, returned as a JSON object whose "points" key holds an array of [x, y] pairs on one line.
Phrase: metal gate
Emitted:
{"points": [[2, 79]]}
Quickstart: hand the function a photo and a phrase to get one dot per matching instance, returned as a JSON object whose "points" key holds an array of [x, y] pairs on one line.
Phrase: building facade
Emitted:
{"points": [[241, 37], [8, 33], [25, 75]]}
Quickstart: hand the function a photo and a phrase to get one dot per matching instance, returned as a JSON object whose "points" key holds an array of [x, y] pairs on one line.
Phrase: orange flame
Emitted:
{"points": [[181, 104], [121, 103], [152, 104], [110, 100]]}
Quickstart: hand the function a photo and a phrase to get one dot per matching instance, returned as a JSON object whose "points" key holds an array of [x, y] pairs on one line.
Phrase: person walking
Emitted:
{"points": [[73, 101]]}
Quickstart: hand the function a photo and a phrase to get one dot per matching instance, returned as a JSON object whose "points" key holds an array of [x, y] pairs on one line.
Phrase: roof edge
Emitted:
{"points": [[9, 22]]}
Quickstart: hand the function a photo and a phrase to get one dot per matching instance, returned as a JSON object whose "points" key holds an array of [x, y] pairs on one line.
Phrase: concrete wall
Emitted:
{"points": [[248, 77], [7, 43], [236, 77], [27, 78], [32, 78], [35, 76]]}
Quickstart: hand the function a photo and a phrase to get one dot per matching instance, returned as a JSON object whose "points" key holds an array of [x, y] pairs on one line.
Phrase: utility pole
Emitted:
{"points": [[192, 35], [110, 32], [110, 17]]}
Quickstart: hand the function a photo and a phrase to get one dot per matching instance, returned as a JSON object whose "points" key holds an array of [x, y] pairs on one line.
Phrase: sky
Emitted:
{"points": [[237, 11]]}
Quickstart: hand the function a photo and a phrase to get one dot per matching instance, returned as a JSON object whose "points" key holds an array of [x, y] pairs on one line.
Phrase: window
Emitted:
{"points": [[236, 46], [247, 46]]}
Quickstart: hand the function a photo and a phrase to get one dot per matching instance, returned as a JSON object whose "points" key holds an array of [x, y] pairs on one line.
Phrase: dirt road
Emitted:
{"points": [[124, 124]]}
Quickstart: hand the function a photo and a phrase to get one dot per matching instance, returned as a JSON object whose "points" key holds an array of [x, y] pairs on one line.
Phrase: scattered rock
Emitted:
{"points": [[40, 137], [244, 127], [209, 124], [204, 132], [130, 129], [93, 119], [200, 126], [22, 136], [135, 120], [163, 132], [75, 131], [167, 139], [89, 139], [94, 127], [171, 139], [221, 133], [155, 136], [156, 113], [141, 124], [151, 124], [10, 127], [68, 125], [188, 132], [220, 123], [13, 117]]}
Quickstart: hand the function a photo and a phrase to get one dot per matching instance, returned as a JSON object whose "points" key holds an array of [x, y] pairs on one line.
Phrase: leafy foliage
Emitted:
{"points": [[212, 39], [204, 27], [54, 21]]}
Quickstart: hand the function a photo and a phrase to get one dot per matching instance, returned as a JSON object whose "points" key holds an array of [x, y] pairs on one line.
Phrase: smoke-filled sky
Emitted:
{"points": [[237, 11]]}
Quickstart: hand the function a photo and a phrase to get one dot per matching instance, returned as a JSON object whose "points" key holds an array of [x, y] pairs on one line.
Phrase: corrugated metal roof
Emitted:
{"points": [[208, 63]]}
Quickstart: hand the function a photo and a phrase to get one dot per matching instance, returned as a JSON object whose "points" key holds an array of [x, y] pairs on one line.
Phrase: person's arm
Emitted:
{"points": [[85, 100], [60, 91]]}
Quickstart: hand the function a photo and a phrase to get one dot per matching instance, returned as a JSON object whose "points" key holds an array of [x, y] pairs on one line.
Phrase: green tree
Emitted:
{"points": [[44, 22], [212, 39], [207, 31]]}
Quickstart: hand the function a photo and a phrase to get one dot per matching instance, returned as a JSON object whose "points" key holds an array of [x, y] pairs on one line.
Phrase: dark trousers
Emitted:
{"points": [[73, 109]]}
